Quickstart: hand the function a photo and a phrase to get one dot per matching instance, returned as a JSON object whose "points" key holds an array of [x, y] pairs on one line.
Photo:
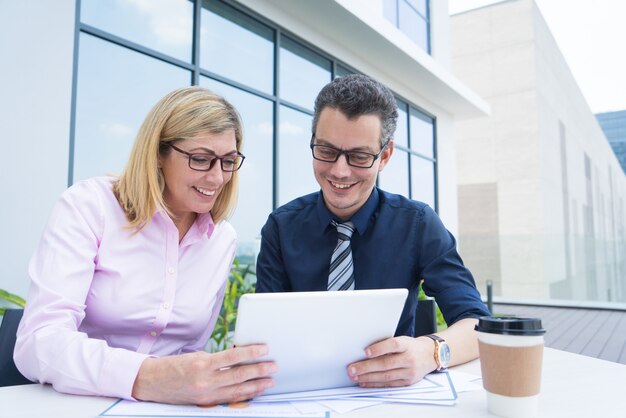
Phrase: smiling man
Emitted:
{"points": [[352, 235]]}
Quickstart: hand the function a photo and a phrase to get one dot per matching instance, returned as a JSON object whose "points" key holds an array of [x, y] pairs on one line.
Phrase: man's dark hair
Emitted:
{"points": [[355, 95]]}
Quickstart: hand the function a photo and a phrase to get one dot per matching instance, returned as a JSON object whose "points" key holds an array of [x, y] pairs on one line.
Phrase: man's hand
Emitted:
{"points": [[203, 378], [398, 361]]}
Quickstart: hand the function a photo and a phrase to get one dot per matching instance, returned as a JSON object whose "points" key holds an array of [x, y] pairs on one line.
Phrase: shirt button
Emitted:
{"points": [[153, 333], [166, 305], [170, 270]]}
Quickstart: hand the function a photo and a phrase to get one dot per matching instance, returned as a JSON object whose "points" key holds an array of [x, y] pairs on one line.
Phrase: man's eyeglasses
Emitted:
{"points": [[359, 159], [205, 162]]}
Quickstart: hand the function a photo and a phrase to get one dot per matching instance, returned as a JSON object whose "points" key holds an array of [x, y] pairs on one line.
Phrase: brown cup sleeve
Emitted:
{"points": [[511, 371]]}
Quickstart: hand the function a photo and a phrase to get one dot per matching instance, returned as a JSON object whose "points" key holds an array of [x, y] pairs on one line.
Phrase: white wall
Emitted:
{"points": [[36, 49], [507, 53]]}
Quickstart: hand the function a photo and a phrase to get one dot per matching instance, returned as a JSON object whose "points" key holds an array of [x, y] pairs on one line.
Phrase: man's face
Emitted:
{"points": [[347, 188]]}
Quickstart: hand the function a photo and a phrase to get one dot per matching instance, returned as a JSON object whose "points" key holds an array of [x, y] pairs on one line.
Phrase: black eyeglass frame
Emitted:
{"points": [[214, 159], [345, 153]]}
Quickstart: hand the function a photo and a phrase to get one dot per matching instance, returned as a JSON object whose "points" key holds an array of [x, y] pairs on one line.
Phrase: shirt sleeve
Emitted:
{"points": [[49, 347], [270, 270], [445, 276]]}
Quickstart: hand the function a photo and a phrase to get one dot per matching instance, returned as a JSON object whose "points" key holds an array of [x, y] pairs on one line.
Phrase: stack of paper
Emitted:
{"points": [[436, 388]]}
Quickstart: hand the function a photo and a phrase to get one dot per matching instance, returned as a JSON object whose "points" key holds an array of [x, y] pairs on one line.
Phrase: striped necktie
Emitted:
{"points": [[341, 276]]}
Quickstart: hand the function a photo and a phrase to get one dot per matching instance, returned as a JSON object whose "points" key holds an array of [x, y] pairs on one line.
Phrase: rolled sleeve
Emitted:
{"points": [[445, 276]]}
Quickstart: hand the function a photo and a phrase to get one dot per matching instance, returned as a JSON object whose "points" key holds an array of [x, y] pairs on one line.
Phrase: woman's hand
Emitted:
{"points": [[205, 379]]}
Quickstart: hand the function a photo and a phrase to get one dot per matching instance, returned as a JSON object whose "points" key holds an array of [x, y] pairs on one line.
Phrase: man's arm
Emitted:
{"points": [[405, 360]]}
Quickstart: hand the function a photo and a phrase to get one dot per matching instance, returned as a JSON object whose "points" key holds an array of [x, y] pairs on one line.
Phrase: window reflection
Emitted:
{"points": [[419, 6], [394, 177], [422, 133], [113, 97], [340, 71], [412, 18], [255, 177], [423, 180], [414, 25], [237, 47], [401, 136], [295, 162], [163, 25], [303, 73]]}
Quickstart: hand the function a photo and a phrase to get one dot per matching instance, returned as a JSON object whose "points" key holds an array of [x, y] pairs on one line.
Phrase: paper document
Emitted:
{"points": [[124, 408], [435, 388]]}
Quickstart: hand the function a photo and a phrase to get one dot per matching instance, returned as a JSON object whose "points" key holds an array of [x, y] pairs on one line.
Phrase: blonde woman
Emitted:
{"points": [[129, 276]]}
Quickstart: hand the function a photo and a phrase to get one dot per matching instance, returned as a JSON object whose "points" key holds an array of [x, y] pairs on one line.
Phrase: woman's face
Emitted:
{"points": [[187, 191]]}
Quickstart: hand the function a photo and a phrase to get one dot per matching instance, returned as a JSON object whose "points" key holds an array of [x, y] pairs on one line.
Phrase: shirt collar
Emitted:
{"points": [[360, 219], [203, 225]]}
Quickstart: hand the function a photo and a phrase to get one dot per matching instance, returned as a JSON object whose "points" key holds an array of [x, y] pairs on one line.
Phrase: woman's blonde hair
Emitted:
{"points": [[183, 113]]}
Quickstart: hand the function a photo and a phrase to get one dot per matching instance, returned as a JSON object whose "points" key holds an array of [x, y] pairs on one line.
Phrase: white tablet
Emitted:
{"points": [[314, 336]]}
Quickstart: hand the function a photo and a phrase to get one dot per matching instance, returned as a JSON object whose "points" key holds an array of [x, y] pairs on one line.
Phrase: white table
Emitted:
{"points": [[572, 386]]}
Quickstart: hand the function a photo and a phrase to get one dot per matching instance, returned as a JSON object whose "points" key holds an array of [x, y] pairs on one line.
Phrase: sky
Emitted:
{"points": [[590, 35]]}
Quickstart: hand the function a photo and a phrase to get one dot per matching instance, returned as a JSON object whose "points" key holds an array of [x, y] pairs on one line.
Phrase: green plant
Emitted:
{"points": [[240, 281], [441, 323], [12, 299]]}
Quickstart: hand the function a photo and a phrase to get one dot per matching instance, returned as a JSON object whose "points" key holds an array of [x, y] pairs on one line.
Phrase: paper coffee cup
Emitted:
{"points": [[511, 352]]}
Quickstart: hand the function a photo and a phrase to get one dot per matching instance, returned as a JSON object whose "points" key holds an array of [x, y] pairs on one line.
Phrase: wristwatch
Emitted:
{"points": [[442, 351]]}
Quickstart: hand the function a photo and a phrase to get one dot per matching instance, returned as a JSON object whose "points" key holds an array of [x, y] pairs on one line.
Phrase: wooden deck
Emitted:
{"points": [[596, 333]]}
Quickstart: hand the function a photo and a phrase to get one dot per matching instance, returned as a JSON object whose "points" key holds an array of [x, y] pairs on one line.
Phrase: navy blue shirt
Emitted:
{"points": [[396, 243]]}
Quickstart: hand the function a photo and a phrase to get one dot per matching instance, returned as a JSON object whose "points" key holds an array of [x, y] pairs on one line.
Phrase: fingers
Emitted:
{"points": [[243, 373], [379, 364], [387, 378], [392, 362], [238, 355], [240, 392], [388, 346]]}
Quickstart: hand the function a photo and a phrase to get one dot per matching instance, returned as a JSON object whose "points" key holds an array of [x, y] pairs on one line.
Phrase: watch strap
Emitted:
{"points": [[438, 341]]}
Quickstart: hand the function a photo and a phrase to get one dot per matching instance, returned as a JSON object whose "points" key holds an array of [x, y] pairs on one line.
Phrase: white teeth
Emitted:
{"points": [[340, 186], [205, 191]]}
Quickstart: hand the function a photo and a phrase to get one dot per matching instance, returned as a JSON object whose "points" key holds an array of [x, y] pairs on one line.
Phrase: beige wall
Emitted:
{"points": [[513, 161]]}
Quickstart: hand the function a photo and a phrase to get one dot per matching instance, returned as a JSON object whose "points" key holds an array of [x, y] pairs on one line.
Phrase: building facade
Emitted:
{"points": [[614, 126], [541, 194], [82, 74]]}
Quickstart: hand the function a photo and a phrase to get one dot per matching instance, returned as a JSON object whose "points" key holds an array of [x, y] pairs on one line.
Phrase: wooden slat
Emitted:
{"points": [[596, 345], [593, 332], [614, 349]]}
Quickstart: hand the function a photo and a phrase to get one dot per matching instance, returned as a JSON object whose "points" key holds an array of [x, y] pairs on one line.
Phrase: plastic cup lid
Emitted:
{"points": [[510, 325]]}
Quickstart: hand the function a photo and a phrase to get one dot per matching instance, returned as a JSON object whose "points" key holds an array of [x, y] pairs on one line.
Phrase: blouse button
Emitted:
{"points": [[153, 333]]}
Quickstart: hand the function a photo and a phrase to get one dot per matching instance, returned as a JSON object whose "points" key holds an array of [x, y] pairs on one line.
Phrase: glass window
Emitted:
{"points": [[113, 97], [422, 133], [390, 11], [423, 180], [412, 24], [303, 73], [255, 176], [163, 25], [411, 17], [295, 163], [419, 6], [237, 47], [401, 136], [340, 71], [394, 177]]}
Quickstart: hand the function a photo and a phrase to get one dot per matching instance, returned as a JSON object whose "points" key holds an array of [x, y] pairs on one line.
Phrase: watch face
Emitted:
{"points": [[444, 355]]}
